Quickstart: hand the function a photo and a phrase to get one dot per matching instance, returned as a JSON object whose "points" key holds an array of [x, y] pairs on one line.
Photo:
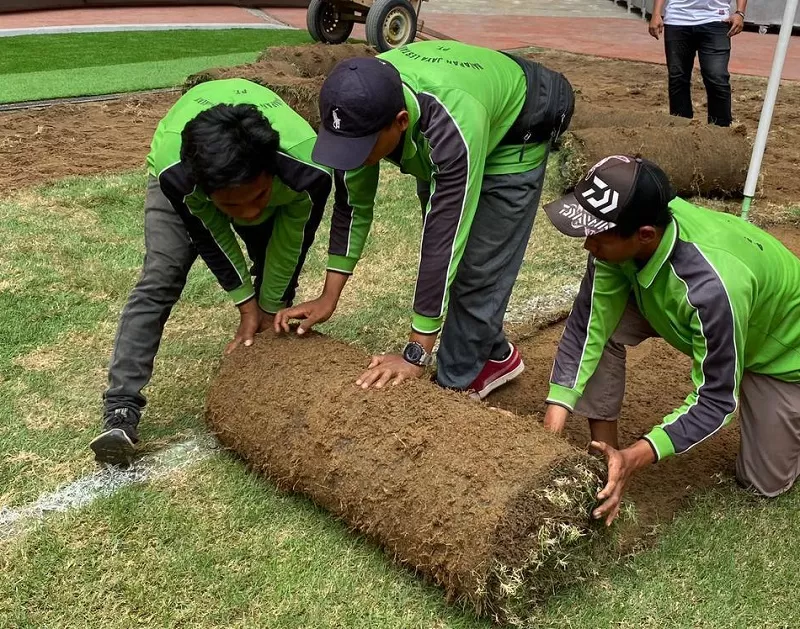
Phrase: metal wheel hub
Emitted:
{"points": [[396, 27], [330, 19]]}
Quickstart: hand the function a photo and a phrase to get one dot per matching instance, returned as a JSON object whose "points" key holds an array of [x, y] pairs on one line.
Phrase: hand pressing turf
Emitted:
{"points": [[621, 466], [388, 368]]}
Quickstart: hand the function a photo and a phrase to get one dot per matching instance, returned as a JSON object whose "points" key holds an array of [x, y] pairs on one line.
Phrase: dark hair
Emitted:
{"points": [[649, 201], [229, 145], [658, 217]]}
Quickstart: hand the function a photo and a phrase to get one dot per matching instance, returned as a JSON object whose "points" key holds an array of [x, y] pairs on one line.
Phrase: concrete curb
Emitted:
{"points": [[119, 28]]}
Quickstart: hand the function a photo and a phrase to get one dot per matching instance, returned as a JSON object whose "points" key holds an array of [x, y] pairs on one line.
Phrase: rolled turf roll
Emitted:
{"points": [[699, 159], [590, 116], [489, 505]]}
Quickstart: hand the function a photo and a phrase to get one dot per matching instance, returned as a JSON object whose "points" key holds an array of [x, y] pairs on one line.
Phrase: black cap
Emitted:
{"points": [[619, 190], [359, 99]]}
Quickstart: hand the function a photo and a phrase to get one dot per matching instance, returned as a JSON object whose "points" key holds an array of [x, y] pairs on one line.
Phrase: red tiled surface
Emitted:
{"points": [[607, 37], [119, 15]]}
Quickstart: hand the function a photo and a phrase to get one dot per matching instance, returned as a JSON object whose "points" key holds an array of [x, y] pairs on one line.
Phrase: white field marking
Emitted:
{"points": [[543, 307], [105, 482]]}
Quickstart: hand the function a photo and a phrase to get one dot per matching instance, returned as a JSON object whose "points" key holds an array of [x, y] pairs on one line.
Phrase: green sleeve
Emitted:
{"points": [[596, 313], [354, 200], [219, 248], [286, 251], [716, 300]]}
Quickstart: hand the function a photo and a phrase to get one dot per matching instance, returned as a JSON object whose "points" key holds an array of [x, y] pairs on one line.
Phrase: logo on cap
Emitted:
{"points": [[580, 219], [337, 122], [601, 197]]}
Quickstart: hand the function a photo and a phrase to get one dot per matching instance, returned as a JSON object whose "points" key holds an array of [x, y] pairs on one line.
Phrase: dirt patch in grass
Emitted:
{"points": [[47, 144]]}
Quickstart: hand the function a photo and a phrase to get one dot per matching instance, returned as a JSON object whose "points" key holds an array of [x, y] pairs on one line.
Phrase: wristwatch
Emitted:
{"points": [[415, 354]]}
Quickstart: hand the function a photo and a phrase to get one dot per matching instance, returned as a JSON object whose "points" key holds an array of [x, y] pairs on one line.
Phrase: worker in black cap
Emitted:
{"points": [[474, 126]]}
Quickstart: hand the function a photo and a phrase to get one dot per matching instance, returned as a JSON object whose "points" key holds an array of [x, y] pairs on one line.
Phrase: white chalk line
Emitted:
{"points": [[106, 481]]}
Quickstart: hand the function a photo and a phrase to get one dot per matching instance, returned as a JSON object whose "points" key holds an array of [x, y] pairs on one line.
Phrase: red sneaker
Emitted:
{"points": [[496, 373]]}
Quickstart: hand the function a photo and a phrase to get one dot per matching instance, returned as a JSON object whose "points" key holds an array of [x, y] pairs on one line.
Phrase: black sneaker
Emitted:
{"points": [[116, 444]]}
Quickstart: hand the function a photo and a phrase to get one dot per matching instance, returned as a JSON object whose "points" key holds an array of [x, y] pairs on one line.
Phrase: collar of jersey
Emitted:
{"points": [[412, 106], [648, 274]]}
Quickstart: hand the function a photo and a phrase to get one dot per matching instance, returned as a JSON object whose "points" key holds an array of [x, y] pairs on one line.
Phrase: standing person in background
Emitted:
{"points": [[701, 28]]}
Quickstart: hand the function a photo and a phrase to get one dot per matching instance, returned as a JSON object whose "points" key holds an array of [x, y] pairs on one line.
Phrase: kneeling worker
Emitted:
{"points": [[714, 287]]}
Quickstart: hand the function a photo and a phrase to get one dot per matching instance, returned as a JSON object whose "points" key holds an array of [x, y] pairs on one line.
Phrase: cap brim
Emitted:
{"points": [[569, 217], [341, 153]]}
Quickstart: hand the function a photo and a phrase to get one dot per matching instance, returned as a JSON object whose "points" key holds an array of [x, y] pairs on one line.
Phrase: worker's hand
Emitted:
{"points": [[310, 313], [250, 319], [737, 24], [656, 26], [621, 466], [388, 368], [267, 322], [555, 418]]}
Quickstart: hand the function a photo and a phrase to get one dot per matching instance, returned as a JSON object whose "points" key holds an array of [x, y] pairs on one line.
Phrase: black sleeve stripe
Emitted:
{"points": [[572, 345], [301, 176], [450, 157], [177, 184], [716, 396], [342, 218]]}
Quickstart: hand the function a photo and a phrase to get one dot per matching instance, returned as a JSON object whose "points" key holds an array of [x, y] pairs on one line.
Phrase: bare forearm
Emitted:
{"points": [[334, 285], [426, 340], [658, 7], [741, 5]]}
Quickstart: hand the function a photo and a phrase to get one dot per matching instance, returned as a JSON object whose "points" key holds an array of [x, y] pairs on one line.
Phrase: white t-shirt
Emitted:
{"points": [[694, 12]]}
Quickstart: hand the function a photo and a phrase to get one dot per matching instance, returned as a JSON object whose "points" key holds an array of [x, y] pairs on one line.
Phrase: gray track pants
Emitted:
{"points": [[769, 411], [473, 331], [169, 255]]}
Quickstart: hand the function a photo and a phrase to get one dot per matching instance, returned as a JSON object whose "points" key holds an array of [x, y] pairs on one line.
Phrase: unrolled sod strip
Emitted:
{"points": [[486, 504]]}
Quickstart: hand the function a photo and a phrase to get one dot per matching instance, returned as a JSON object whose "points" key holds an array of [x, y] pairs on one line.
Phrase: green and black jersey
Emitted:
{"points": [[719, 290], [462, 100], [299, 192]]}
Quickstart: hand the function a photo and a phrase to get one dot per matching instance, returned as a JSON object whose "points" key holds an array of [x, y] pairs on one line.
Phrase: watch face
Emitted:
{"points": [[413, 353]]}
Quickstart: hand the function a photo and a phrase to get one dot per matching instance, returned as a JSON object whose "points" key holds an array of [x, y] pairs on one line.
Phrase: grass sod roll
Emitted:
{"points": [[486, 504], [590, 116], [699, 159]]}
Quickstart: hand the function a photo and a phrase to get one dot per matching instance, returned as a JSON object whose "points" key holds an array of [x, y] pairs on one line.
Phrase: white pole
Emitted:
{"points": [[769, 106]]}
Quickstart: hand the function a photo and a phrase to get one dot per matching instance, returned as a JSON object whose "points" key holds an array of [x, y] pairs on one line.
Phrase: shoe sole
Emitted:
{"points": [[114, 447], [495, 384]]}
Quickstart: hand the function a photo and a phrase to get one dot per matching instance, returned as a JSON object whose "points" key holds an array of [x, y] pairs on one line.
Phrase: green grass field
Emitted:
{"points": [[214, 546], [211, 545], [37, 67]]}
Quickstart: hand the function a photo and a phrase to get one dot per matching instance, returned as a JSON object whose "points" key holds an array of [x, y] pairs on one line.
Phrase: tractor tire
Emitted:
{"points": [[391, 24], [324, 23]]}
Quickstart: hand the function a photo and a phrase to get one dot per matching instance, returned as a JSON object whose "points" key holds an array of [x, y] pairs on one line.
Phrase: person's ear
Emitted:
{"points": [[402, 120], [647, 234]]}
